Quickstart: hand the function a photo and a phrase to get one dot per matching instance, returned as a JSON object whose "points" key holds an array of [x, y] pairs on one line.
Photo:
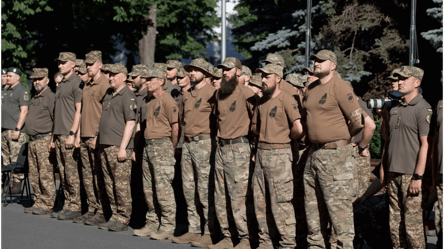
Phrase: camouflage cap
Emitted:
{"points": [[408, 71], [66, 56], [161, 66], [93, 56], [4, 71], [324, 55], [173, 64], [210, 69], [217, 73], [138, 69], [154, 73], [231, 62], [181, 73], [15, 70], [200, 63], [246, 71], [275, 59], [39, 73], [106, 67], [82, 68], [271, 68], [256, 79], [295, 79], [118, 68], [309, 69], [79, 62], [392, 74]]}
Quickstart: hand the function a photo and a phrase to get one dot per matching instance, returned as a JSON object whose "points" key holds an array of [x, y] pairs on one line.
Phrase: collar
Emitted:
{"points": [[13, 88], [42, 93], [165, 85], [92, 82], [122, 91], [414, 101]]}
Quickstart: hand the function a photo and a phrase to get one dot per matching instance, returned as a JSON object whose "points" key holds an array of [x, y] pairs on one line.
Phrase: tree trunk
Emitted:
{"points": [[147, 44]]}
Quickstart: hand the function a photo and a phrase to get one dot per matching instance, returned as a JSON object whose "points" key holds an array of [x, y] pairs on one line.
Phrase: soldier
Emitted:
{"points": [[94, 91], [277, 122], [217, 78], [78, 63], [405, 160], [310, 76], [139, 74], [245, 76], [234, 110], [15, 102], [161, 135], [171, 85], [255, 84], [437, 168], [277, 59], [66, 123], [38, 128], [105, 70], [297, 81], [116, 128], [198, 122], [329, 173]]}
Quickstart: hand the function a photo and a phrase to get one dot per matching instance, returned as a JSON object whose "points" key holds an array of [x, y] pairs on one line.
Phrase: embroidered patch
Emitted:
{"points": [[429, 109], [174, 109], [295, 107], [428, 118], [233, 106], [350, 97], [273, 112], [323, 99], [133, 106], [156, 111], [198, 103]]}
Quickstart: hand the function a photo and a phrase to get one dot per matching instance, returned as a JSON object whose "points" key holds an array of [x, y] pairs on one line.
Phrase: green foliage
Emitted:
{"points": [[434, 36], [376, 142]]}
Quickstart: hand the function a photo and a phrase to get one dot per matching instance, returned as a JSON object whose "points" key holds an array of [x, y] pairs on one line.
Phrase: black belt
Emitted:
{"points": [[223, 142], [33, 138]]}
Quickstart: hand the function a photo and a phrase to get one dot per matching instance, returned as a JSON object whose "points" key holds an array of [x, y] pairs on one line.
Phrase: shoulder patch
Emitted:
{"points": [[132, 98], [174, 109], [429, 109], [428, 118], [133, 106], [294, 106], [350, 97]]}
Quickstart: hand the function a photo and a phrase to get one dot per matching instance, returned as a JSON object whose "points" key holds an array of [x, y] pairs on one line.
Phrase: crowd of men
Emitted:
{"points": [[280, 163]]}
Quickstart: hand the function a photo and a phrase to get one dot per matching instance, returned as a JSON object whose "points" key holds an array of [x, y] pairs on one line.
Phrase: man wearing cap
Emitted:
{"points": [[171, 86], [234, 110], [161, 136], [331, 167], [277, 59], [405, 160], [66, 124], [255, 84], [277, 121], [116, 130], [198, 122], [78, 63], [245, 76], [94, 91], [437, 151], [15, 102], [139, 74], [217, 78], [310, 76], [38, 128], [105, 70], [82, 72]]}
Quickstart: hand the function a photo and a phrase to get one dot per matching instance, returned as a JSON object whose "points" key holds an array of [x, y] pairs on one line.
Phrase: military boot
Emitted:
{"points": [[203, 242], [95, 220], [69, 215], [145, 231], [226, 243], [40, 211], [186, 238], [161, 235], [117, 227], [83, 218], [105, 226], [243, 244], [56, 214], [29, 210]]}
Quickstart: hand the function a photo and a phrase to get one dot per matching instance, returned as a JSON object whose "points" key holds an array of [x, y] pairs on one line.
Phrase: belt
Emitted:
{"points": [[33, 138], [197, 138], [332, 145], [223, 142], [157, 140], [265, 146]]}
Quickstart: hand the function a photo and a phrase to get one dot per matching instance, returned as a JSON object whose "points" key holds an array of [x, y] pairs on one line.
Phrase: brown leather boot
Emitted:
{"points": [[223, 244], [186, 238]]}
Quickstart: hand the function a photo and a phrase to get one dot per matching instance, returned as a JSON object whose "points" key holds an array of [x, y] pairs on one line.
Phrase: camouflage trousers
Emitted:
{"points": [[41, 173], [92, 174], [363, 177], [299, 161], [406, 214], [196, 168], [10, 151], [329, 177], [117, 176], [69, 173], [438, 213], [273, 185], [232, 172], [158, 174]]}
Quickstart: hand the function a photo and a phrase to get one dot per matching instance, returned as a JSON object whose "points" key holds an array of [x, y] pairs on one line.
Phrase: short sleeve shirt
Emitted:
{"points": [[407, 123], [68, 94], [328, 106], [118, 109], [40, 113], [367, 112], [438, 123], [173, 90], [93, 94], [234, 113], [274, 118], [197, 106], [161, 113], [12, 99]]}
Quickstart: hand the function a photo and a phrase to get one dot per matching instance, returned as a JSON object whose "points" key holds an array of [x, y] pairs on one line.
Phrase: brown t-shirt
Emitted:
{"points": [[69, 92], [407, 123], [366, 113], [288, 88], [40, 113], [234, 113], [161, 113], [274, 118], [197, 107], [328, 106], [118, 109], [93, 94]]}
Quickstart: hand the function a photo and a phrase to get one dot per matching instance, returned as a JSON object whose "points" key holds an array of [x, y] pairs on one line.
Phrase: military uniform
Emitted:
{"points": [[438, 170]]}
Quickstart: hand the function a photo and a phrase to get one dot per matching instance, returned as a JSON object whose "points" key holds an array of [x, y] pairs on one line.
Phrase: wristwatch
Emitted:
{"points": [[362, 148], [71, 133], [97, 134], [416, 177], [16, 129]]}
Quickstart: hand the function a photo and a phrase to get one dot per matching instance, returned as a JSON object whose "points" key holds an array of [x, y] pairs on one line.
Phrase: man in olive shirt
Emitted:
{"points": [[171, 85], [38, 128], [198, 103], [15, 101], [94, 91], [116, 130], [331, 167], [405, 161], [66, 123], [277, 122], [437, 168], [234, 110]]}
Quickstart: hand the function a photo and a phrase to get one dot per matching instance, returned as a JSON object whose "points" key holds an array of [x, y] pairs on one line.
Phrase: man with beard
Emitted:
{"points": [[198, 122], [217, 78], [66, 124], [331, 167], [276, 122], [94, 90], [234, 110], [245, 76], [38, 128], [277, 59], [171, 85]]}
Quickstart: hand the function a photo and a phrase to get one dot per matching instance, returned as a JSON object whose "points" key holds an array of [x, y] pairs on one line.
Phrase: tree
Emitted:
{"points": [[435, 35]]}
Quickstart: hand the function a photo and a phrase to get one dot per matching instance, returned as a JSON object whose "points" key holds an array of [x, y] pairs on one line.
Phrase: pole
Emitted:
{"points": [[307, 35], [224, 33], [412, 59]]}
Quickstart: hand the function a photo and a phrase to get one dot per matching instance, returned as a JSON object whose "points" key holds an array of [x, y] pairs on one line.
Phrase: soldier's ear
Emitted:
{"points": [[333, 66], [238, 72]]}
